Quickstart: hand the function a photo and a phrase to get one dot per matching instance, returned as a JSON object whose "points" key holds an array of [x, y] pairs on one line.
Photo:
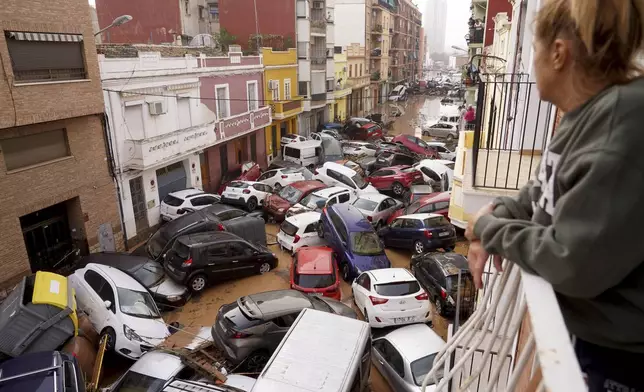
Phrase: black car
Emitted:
{"points": [[438, 274], [165, 291], [197, 260], [217, 217], [353, 123], [46, 371], [388, 159]]}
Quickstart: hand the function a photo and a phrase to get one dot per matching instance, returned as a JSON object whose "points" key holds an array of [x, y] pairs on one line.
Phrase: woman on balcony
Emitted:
{"points": [[580, 223]]}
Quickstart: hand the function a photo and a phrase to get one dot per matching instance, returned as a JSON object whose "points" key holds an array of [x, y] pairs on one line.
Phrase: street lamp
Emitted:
{"points": [[459, 48], [116, 22]]}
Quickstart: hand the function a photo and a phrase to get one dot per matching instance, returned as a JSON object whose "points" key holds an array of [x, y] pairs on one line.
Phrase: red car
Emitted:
{"points": [[436, 203], [315, 271], [249, 171], [395, 178], [368, 132], [290, 195], [417, 145]]}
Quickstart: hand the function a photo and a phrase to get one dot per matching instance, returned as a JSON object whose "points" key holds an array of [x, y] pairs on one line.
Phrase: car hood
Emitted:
{"points": [[168, 287], [244, 383], [369, 189], [277, 202], [367, 263], [152, 331], [339, 308]]}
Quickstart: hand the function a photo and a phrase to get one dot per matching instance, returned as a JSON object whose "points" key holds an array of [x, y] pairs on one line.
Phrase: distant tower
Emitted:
{"points": [[435, 25]]}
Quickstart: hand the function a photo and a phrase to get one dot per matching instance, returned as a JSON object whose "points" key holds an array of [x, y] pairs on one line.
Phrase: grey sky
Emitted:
{"points": [[458, 12]]}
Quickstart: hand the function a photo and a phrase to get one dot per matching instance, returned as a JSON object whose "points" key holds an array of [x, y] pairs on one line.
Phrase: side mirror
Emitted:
{"points": [[108, 304]]}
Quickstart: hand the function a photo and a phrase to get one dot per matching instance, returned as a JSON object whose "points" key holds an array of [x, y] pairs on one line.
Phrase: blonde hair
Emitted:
{"points": [[606, 35]]}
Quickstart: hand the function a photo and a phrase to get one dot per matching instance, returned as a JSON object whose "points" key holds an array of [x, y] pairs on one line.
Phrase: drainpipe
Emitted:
{"points": [[113, 169]]}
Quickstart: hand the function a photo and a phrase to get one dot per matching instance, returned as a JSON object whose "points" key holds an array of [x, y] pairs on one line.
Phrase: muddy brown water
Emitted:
{"points": [[201, 311]]}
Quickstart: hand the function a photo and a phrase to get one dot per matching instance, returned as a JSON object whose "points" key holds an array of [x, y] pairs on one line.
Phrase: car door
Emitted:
{"points": [[219, 265], [261, 191], [98, 291], [361, 289], [392, 364], [277, 328], [381, 179], [409, 232], [393, 234], [268, 178], [386, 208], [244, 261]]}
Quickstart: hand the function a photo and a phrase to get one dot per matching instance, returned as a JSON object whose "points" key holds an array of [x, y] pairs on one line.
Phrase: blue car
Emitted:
{"points": [[352, 237], [420, 233]]}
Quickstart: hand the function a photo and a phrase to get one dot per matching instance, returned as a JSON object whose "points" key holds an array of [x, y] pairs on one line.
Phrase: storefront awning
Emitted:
{"points": [[47, 37]]}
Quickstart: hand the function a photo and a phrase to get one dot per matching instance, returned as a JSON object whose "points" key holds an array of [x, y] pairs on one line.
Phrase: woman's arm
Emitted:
{"points": [[596, 237], [519, 207]]}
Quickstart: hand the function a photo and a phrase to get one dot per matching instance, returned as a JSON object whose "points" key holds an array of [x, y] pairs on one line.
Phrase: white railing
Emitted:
{"points": [[483, 354]]}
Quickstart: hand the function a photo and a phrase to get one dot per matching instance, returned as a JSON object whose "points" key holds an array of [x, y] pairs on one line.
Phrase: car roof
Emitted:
{"points": [[304, 219], [434, 197], [330, 191], [305, 144], [118, 277], [370, 125], [186, 193], [390, 275], [208, 237], [419, 216], [115, 259], [415, 341], [245, 182], [158, 364], [442, 144], [316, 260], [377, 197], [352, 217], [307, 185], [423, 189], [276, 303], [451, 263], [340, 168], [216, 209]]}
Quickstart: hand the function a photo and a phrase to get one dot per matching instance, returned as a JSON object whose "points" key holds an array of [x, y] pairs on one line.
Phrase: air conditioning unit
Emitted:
{"points": [[157, 108], [318, 5], [273, 84]]}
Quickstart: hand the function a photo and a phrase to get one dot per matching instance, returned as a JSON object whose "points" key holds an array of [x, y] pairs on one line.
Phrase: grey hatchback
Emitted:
{"points": [[250, 329]]}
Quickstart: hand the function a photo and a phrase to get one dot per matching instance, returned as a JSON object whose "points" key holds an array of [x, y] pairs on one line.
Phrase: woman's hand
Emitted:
{"points": [[477, 256], [469, 232]]}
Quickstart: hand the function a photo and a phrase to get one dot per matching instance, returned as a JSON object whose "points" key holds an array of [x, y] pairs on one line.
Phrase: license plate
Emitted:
{"points": [[444, 234], [400, 320]]}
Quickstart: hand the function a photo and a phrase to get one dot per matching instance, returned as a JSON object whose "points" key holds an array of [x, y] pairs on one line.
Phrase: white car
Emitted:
{"points": [[406, 355], [300, 230], [358, 148], [290, 138], [390, 296], [157, 369], [279, 178], [120, 308], [317, 200], [330, 132], [443, 130], [437, 171], [444, 152], [335, 174], [177, 203], [377, 208], [250, 194]]}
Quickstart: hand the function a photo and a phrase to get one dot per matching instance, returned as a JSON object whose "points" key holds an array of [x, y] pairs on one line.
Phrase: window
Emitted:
{"points": [[94, 280], [202, 12], [44, 57], [360, 70], [302, 50], [222, 101], [25, 151], [337, 49], [426, 209], [251, 95], [217, 251], [350, 70], [303, 89], [274, 85], [343, 198], [203, 201], [239, 249], [287, 89], [393, 358], [301, 7], [396, 223], [134, 120], [286, 321], [329, 85]]}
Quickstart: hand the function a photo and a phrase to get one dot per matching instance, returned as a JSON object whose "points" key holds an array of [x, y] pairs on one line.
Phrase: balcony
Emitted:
{"points": [[318, 63], [285, 109], [341, 90], [318, 100], [358, 81], [475, 37], [516, 340], [318, 22], [376, 29], [156, 150]]}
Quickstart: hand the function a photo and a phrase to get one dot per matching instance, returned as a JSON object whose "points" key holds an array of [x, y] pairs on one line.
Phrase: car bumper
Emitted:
{"points": [[449, 242], [284, 243], [177, 276], [393, 318], [277, 216], [165, 301], [133, 349], [234, 354], [238, 201]]}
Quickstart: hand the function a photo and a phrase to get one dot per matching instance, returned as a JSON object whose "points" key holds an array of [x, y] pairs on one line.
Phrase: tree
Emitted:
{"points": [[225, 39]]}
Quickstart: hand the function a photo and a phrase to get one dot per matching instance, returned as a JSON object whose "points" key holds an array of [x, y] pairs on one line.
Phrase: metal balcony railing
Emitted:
{"points": [[501, 349], [475, 36]]}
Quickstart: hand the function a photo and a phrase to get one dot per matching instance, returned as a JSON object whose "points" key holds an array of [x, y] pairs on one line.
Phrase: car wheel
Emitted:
{"points": [[450, 138], [439, 307], [197, 283], [256, 361], [110, 335], [264, 267], [251, 204], [320, 230], [419, 248], [277, 187], [398, 189], [346, 272]]}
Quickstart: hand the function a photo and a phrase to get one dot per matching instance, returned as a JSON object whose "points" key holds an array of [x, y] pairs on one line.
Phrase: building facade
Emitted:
{"points": [[57, 188], [173, 21], [342, 89], [406, 42], [436, 25], [178, 120], [382, 23], [280, 90]]}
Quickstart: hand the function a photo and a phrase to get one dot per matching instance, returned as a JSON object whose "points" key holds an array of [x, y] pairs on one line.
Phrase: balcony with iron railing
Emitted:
{"points": [[318, 22], [475, 37]]}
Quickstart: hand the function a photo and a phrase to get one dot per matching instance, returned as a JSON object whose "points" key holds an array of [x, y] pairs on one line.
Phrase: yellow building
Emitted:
{"points": [[280, 91], [342, 89]]}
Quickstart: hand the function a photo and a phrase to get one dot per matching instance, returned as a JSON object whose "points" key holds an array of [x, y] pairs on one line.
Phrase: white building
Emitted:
{"points": [[436, 25]]}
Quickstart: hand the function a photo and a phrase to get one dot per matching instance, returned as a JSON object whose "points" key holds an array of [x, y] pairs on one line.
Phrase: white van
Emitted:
{"points": [[321, 352], [306, 154], [398, 93]]}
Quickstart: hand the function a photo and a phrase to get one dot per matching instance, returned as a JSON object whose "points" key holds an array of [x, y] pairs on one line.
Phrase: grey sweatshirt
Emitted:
{"points": [[580, 224]]}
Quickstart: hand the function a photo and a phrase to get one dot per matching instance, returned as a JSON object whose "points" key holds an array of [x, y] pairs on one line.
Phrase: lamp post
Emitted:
{"points": [[116, 22]]}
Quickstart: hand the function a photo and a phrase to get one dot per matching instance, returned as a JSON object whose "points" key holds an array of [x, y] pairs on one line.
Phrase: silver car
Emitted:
{"points": [[377, 208], [442, 130], [405, 356]]}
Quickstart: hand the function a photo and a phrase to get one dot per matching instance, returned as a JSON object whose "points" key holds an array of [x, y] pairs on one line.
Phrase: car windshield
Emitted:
{"points": [[366, 243], [137, 382], [172, 201], [314, 281], [313, 201], [290, 194], [288, 228], [360, 182], [397, 289], [137, 303], [157, 242], [436, 221], [422, 366], [421, 143], [413, 207], [365, 204], [238, 184], [149, 274]]}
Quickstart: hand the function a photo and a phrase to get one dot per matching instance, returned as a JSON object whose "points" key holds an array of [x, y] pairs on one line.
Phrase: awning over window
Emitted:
{"points": [[47, 37]]}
